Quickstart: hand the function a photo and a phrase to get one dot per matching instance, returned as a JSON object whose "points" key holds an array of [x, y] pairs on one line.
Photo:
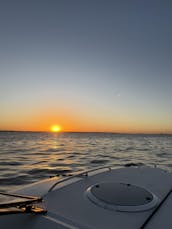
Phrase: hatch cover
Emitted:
{"points": [[121, 197]]}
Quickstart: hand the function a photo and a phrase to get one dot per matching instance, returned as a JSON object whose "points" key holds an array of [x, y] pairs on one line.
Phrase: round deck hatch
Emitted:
{"points": [[121, 197]]}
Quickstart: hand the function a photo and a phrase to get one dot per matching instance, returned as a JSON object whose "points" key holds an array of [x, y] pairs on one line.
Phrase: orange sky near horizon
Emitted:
{"points": [[78, 122]]}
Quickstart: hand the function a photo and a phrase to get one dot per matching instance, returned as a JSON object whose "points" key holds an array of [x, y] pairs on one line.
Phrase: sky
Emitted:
{"points": [[95, 65]]}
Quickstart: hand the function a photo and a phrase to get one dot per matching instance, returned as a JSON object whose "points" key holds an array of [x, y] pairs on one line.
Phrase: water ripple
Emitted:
{"points": [[28, 157]]}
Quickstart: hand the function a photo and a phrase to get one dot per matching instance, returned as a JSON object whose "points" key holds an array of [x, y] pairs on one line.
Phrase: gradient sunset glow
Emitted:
{"points": [[87, 66]]}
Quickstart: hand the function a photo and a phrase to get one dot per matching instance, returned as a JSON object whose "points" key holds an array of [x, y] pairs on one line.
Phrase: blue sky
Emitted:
{"points": [[105, 63]]}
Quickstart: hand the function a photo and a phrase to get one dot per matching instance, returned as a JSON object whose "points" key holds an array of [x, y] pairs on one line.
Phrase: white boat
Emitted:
{"points": [[104, 198]]}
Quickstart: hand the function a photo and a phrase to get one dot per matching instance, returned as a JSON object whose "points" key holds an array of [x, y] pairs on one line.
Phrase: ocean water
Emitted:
{"points": [[26, 157]]}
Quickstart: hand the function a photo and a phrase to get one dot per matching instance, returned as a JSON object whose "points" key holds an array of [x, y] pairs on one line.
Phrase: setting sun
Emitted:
{"points": [[55, 128]]}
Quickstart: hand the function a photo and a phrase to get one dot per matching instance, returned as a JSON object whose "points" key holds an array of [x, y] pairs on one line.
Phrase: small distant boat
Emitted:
{"points": [[102, 198]]}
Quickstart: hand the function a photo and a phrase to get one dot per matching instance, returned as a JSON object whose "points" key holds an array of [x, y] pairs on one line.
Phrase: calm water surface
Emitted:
{"points": [[28, 157]]}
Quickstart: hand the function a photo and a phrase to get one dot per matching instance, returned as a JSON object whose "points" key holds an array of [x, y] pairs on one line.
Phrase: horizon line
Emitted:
{"points": [[94, 132]]}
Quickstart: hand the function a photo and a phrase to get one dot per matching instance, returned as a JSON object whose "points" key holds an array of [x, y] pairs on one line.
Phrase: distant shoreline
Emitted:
{"points": [[78, 132]]}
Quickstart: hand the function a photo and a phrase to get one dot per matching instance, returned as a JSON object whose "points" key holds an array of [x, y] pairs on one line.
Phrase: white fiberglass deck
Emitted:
{"points": [[125, 198]]}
